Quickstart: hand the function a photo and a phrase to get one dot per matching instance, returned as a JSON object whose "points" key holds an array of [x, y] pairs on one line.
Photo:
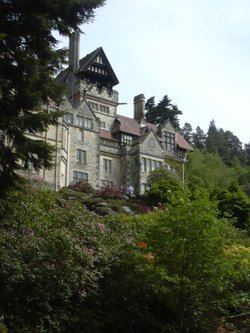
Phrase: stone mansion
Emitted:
{"points": [[96, 144]]}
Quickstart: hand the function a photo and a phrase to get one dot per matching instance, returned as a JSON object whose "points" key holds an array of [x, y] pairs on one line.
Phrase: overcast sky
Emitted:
{"points": [[195, 51]]}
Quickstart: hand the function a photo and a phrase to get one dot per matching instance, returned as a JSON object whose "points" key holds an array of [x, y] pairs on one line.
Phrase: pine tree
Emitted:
{"points": [[28, 62], [164, 110], [187, 132], [199, 138]]}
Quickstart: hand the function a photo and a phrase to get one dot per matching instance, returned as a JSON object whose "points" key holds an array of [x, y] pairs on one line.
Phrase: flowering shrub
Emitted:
{"points": [[112, 191], [142, 244], [143, 209], [82, 186]]}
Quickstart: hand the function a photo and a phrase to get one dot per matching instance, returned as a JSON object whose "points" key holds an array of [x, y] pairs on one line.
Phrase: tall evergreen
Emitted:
{"points": [[187, 132], [158, 114], [28, 62], [199, 138]]}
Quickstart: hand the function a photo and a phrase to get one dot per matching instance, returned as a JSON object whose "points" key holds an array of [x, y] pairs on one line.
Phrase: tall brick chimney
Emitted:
{"points": [[74, 49], [139, 107]]}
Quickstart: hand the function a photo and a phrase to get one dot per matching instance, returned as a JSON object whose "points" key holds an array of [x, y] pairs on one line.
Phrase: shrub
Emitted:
{"points": [[112, 191], [168, 191], [82, 186]]}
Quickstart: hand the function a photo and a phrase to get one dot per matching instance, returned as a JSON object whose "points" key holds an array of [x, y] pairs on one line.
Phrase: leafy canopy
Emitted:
{"points": [[28, 62]]}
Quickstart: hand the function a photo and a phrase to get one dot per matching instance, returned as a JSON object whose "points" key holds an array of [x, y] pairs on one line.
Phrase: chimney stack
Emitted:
{"points": [[74, 49], [139, 107]]}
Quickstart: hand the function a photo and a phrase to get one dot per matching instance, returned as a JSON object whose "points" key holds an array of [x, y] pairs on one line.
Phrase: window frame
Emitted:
{"points": [[81, 156], [169, 141], [76, 178], [107, 165]]}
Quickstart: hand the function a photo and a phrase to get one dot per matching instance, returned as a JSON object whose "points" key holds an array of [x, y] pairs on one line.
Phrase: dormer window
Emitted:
{"points": [[181, 152], [169, 141], [126, 138]]}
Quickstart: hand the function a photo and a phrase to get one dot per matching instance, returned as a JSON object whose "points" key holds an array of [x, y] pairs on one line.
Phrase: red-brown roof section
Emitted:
{"points": [[104, 134], [182, 143], [127, 125], [131, 126]]}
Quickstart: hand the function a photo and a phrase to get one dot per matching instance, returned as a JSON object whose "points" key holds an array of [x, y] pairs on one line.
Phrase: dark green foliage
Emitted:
{"points": [[235, 204], [199, 138], [187, 132], [28, 63], [164, 110], [226, 144], [52, 259], [63, 269], [168, 191], [247, 153]]}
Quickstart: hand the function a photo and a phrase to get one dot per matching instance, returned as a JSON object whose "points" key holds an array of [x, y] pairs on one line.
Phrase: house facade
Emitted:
{"points": [[96, 144]]}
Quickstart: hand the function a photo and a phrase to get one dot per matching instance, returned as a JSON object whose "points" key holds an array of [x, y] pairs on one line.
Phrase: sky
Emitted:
{"points": [[195, 51]]}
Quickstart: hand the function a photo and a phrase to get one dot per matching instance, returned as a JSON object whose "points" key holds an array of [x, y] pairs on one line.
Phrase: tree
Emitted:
{"points": [[199, 138], [247, 153], [210, 168], [234, 202], [160, 174], [186, 132], [158, 114], [212, 138], [28, 61]]}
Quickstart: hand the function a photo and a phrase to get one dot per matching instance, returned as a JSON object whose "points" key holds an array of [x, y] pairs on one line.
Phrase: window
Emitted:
{"points": [[104, 108], [102, 124], [88, 123], [81, 156], [149, 165], [107, 165], [181, 153], [99, 60], [79, 121], [81, 135], [78, 175], [169, 141], [159, 164], [144, 164], [127, 138], [94, 106], [84, 122], [68, 118]]}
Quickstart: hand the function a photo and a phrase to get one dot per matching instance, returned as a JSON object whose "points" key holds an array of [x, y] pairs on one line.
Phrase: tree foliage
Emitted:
{"points": [[52, 258], [164, 110], [160, 174], [28, 61], [210, 168]]}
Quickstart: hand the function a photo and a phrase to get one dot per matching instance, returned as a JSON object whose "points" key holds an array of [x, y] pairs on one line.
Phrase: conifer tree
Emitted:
{"points": [[158, 114], [28, 62]]}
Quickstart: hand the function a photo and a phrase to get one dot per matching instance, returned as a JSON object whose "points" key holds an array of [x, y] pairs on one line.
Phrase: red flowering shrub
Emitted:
{"points": [[112, 191], [142, 244], [143, 209]]}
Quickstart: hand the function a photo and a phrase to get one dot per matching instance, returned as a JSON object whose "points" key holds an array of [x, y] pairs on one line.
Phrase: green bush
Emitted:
{"points": [[167, 191]]}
